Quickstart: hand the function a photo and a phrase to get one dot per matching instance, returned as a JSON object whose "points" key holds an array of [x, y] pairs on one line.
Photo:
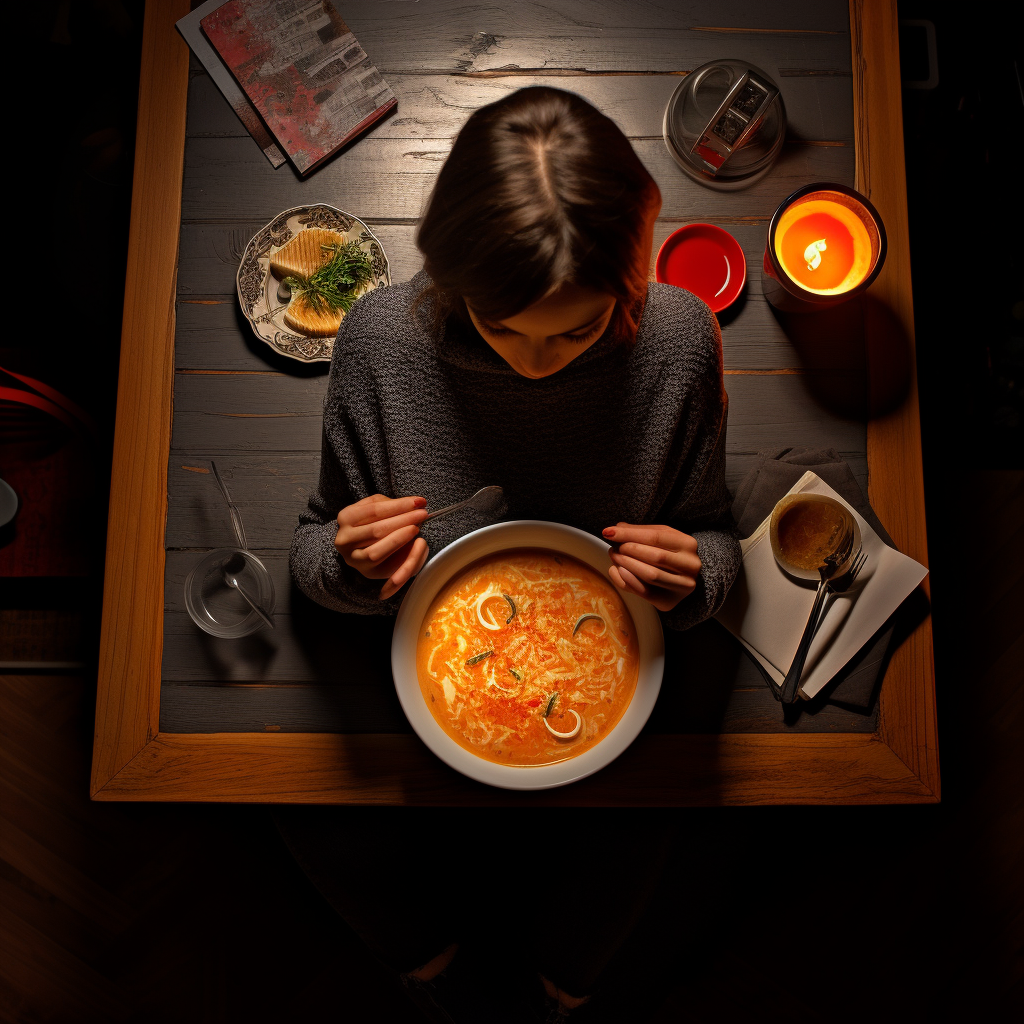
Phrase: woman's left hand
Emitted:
{"points": [[657, 563]]}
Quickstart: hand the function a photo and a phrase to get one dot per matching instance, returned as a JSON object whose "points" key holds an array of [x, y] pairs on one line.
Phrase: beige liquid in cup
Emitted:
{"points": [[809, 532]]}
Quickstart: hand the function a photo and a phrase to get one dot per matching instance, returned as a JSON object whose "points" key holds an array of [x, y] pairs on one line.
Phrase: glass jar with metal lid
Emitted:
{"points": [[725, 124]]}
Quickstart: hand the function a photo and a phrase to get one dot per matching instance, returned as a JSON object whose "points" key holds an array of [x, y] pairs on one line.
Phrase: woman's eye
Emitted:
{"points": [[497, 331], [504, 332], [580, 338]]}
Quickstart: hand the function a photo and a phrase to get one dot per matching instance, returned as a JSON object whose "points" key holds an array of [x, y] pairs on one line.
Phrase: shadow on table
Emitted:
{"points": [[858, 356], [732, 311], [350, 657], [702, 667], [246, 657], [274, 360]]}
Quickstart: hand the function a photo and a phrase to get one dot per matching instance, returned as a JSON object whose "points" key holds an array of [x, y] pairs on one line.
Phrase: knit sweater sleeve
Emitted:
{"points": [[699, 502], [353, 465]]}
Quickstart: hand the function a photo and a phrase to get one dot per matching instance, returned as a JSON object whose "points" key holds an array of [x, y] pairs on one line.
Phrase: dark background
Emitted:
{"points": [[896, 913]]}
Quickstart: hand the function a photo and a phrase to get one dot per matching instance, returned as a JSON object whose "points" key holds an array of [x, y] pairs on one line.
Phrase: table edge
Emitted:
{"points": [[132, 760]]}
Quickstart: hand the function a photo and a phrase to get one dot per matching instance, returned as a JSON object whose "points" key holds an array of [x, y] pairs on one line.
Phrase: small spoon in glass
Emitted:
{"points": [[487, 499], [236, 563]]}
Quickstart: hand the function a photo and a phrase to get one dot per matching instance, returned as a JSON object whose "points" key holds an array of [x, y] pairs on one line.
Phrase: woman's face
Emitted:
{"points": [[551, 333]]}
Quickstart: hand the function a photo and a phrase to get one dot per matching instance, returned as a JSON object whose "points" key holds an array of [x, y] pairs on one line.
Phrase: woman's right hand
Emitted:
{"points": [[378, 537]]}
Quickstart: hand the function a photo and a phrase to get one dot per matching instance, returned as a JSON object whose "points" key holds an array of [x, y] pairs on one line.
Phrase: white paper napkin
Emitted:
{"points": [[767, 609]]}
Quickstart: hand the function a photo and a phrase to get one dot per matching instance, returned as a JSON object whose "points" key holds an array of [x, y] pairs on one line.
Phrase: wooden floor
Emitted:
{"points": [[154, 913]]}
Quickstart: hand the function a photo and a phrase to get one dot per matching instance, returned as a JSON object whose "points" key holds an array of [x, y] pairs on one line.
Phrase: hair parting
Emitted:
{"points": [[540, 189]]}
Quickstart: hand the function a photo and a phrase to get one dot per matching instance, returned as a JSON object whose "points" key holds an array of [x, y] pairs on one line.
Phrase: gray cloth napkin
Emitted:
{"points": [[777, 470]]}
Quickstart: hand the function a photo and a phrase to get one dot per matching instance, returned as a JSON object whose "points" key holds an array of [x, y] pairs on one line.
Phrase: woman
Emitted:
{"points": [[531, 353]]}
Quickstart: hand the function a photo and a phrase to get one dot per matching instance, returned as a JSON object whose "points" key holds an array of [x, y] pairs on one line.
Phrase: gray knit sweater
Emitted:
{"points": [[631, 433]]}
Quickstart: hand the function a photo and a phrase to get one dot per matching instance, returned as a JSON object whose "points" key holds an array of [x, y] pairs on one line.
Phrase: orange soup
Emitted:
{"points": [[527, 657]]}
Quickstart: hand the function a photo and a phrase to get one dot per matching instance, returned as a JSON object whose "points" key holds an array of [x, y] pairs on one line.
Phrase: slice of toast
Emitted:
{"points": [[302, 317], [304, 253]]}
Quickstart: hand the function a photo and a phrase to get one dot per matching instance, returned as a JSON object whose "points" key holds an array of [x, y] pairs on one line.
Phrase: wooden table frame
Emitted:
{"points": [[133, 760]]}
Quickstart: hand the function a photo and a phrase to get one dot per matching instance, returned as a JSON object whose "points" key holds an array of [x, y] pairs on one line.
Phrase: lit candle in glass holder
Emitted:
{"points": [[826, 244]]}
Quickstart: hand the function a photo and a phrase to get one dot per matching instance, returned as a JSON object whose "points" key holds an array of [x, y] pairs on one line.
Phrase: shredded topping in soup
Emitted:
{"points": [[527, 657]]}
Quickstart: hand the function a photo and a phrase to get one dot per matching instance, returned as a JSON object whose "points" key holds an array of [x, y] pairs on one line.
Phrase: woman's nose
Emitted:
{"points": [[538, 360]]}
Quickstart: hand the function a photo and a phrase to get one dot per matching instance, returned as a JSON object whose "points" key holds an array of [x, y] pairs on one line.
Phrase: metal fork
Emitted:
{"points": [[787, 692], [844, 582]]}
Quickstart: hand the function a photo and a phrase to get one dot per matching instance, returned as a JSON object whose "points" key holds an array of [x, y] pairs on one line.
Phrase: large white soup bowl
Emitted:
{"points": [[524, 533]]}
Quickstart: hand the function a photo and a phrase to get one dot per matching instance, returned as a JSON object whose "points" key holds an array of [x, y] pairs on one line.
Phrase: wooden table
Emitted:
{"points": [[308, 713]]}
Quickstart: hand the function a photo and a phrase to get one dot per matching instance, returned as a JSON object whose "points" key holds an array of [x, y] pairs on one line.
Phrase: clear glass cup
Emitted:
{"points": [[219, 608]]}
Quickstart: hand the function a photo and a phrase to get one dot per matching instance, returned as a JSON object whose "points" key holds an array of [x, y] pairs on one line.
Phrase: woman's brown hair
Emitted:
{"points": [[540, 189]]}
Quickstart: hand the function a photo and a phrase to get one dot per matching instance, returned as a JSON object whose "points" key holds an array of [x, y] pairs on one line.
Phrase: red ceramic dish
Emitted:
{"points": [[704, 260]]}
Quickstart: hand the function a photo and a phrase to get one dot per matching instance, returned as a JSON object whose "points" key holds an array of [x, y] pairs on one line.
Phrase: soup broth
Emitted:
{"points": [[527, 657], [809, 532]]}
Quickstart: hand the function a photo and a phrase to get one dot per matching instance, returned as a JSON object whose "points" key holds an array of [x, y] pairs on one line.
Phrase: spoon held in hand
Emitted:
{"points": [[487, 499]]}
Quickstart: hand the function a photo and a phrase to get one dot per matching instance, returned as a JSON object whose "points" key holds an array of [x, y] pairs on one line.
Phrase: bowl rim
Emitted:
{"points": [[680, 234], [522, 533]]}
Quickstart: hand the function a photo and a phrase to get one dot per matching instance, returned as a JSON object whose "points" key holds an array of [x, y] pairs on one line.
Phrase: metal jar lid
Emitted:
{"points": [[725, 124]]}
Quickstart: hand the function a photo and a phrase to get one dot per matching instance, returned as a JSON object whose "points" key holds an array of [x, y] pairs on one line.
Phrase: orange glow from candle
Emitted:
{"points": [[823, 246]]}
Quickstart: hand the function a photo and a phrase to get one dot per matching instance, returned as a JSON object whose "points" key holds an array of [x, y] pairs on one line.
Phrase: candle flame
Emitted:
{"points": [[812, 254], [800, 243]]}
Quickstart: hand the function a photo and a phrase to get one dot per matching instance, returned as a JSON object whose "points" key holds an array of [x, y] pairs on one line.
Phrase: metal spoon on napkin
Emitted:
{"points": [[236, 563], [842, 558], [487, 499]]}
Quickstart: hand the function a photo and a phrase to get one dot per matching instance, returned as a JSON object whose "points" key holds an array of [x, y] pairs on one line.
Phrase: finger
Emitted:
{"points": [[368, 500], [631, 582], [385, 547], [684, 563], [409, 567], [652, 575], [376, 507], [616, 577], [656, 536], [663, 600], [351, 537], [383, 570]]}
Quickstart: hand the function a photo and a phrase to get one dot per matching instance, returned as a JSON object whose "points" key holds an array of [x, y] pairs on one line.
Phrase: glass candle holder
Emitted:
{"points": [[826, 244]]}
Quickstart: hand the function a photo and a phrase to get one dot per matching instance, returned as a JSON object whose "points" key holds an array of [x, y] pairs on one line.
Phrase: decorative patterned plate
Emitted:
{"points": [[257, 287]]}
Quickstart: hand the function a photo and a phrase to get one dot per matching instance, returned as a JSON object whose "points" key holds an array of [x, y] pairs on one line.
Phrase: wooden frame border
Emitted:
{"points": [[133, 761]]}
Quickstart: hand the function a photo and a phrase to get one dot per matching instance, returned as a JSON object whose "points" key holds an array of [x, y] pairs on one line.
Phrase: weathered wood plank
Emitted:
{"points": [[271, 491], [230, 179], [254, 413], [204, 707], [436, 106], [607, 35], [313, 707], [212, 335]]}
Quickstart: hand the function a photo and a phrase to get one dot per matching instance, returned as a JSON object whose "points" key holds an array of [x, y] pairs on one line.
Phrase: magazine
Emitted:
{"points": [[192, 33], [304, 72]]}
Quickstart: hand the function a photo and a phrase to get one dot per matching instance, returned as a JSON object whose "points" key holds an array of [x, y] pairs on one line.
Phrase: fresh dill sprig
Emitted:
{"points": [[334, 285]]}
